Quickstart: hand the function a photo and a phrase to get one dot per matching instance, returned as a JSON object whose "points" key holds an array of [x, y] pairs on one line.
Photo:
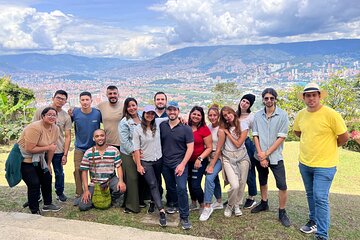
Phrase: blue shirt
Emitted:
{"points": [[85, 125], [174, 142], [269, 130]]}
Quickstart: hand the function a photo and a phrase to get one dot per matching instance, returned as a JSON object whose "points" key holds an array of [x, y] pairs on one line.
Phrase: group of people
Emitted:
{"points": [[135, 150]]}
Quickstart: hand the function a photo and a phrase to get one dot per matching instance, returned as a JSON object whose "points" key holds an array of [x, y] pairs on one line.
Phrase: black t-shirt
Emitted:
{"points": [[174, 142]]}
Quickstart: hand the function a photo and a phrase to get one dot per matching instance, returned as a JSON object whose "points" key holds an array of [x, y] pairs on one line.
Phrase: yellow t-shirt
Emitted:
{"points": [[318, 140]]}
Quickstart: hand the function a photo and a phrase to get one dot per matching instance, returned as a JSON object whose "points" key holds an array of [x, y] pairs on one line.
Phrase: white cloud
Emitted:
{"points": [[222, 22], [181, 23], [26, 29]]}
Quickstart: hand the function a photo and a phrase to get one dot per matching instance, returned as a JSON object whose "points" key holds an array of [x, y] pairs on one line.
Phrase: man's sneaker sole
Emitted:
{"points": [[251, 206], [51, 210], [312, 230]]}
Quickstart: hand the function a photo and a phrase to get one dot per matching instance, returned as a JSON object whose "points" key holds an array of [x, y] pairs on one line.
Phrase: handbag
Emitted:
{"points": [[101, 198]]}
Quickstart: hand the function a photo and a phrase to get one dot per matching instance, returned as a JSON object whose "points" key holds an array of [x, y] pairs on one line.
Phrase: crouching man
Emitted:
{"points": [[102, 161]]}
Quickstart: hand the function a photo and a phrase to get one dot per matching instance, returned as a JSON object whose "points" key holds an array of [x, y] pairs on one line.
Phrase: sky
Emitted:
{"points": [[143, 29]]}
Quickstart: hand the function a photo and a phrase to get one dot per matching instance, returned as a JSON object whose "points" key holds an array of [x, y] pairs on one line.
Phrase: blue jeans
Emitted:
{"points": [[251, 179], [317, 182], [194, 181], [212, 183], [59, 173], [176, 189]]}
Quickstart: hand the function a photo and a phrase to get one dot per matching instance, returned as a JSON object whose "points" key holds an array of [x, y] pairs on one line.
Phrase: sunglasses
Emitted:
{"points": [[269, 98]]}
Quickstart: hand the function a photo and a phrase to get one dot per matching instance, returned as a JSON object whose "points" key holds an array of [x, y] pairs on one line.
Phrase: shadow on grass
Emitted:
{"points": [[344, 215]]}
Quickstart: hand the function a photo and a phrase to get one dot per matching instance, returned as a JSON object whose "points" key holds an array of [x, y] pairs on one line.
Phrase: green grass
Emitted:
{"points": [[344, 199]]}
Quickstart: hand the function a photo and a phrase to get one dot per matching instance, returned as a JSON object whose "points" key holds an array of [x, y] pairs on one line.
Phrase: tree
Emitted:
{"points": [[341, 96], [225, 93], [15, 111]]}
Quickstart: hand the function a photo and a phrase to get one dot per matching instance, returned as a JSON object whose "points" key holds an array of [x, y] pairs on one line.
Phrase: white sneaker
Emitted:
{"points": [[206, 214], [237, 211], [216, 205], [228, 211]]}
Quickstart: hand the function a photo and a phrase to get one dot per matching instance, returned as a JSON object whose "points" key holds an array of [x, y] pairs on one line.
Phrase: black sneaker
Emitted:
{"points": [[170, 210], [262, 206], [142, 205], [26, 204], [127, 210], [185, 224], [38, 212], [51, 208], [151, 208], [249, 203], [162, 219], [309, 227], [284, 219], [61, 198], [317, 237]]}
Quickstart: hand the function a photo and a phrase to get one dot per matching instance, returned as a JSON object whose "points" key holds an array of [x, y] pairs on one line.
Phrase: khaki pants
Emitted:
{"points": [[236, 166], [78, 155]]}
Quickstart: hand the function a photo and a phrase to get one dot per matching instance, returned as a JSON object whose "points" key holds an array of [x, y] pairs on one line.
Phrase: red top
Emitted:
{"points": [[199, 145]]}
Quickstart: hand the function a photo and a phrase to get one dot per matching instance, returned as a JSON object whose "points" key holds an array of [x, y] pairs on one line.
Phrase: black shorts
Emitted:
{"points": [[278, 171]]}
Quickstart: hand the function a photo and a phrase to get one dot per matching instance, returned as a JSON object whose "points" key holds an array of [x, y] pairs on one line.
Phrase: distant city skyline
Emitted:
{"points": [[143, 29]]}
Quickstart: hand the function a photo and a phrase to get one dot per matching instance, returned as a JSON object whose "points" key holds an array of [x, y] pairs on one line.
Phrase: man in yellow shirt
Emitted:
{"points": [[321, 130]]}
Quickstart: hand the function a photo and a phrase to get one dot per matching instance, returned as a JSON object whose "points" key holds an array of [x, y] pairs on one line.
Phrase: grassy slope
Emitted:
{"points": [[344, 206]]}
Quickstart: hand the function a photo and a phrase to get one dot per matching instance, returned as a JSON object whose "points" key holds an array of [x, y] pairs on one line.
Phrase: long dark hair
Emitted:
{"points": [[144, 125], [202, 121], [225, 125], [126, 104]]}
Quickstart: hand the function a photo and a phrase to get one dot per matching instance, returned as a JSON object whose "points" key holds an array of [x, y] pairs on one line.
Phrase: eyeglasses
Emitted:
{"points": [[60, 98], [269, 98], [51, 115]]}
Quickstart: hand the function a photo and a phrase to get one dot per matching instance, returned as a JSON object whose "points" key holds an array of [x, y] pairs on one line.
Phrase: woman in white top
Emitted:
{"points": [[212, 183], [245, 115], [147, 154], [235, 159]]}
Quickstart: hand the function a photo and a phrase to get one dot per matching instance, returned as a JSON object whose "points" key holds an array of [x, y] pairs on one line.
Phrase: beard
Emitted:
{"points": [[113, 100], [100, 144], [160, 108]]}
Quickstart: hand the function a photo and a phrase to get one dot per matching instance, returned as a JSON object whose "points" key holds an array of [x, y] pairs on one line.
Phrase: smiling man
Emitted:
{"points": [[111, 113], [160, 101], [86, 120], [63, 143], [177, 143], [322, 131], [102, 161]]}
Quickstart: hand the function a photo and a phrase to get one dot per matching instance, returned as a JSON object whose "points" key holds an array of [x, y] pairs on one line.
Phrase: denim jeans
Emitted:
{"points": [[59, 173], [212, 183], [251, 179], [194, 180], [176, 189], [317, 182]]}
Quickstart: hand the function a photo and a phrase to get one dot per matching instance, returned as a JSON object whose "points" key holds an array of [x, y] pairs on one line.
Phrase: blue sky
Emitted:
{"points": [[142, 29]]}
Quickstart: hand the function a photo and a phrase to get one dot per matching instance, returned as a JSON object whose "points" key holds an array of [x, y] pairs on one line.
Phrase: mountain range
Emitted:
{"points": [[201, 59]]}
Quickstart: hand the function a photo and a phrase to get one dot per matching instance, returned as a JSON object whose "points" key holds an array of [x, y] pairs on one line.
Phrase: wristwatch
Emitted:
{"points": [[200, 158]]}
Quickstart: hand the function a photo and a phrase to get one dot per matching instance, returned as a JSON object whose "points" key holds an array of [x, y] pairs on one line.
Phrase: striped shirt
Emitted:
{"points": [[105, 164]]}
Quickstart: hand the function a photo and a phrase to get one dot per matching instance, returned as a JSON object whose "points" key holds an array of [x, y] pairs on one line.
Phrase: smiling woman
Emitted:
{"points": [[37, 139], [131, 118]]}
